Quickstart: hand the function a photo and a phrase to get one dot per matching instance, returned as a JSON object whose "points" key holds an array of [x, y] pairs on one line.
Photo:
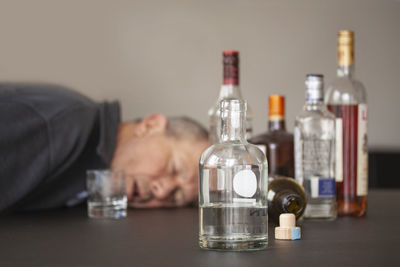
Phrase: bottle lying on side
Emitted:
{"points": [[285, 195]]}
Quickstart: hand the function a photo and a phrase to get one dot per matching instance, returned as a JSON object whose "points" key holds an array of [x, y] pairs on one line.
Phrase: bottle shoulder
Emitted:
{"points": [[226, 92], [286, 183], [316, 124], [321, 113], [345, 91], [229, 92], [272, 137], [230, 154]]}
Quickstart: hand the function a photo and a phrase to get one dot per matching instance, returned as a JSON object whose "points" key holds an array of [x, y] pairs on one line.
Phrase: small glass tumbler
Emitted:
{"points": [[106, 194]]}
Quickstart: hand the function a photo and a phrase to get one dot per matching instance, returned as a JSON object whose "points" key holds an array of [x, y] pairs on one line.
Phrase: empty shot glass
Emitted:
{"points": [[106, 194]]}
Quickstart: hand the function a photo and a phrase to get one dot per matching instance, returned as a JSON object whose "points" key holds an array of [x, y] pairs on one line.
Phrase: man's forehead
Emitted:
{"points": [[188, 154]]}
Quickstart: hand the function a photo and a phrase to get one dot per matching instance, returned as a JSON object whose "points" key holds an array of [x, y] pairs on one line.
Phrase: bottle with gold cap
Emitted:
{"points": [[346, 98], [277, 143]]}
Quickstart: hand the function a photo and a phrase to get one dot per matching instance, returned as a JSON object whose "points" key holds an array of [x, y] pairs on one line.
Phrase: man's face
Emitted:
{"points": [[161, 171]]}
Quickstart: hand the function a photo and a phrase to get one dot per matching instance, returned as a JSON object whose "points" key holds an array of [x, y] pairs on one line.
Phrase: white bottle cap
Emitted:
{"points": [[287, 229]]}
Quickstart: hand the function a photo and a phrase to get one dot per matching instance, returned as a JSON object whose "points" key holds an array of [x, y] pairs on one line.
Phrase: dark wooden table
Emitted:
{"points": [[168, 237]]}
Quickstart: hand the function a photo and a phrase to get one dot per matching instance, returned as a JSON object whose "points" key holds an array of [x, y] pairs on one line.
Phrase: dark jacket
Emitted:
{"points": [[49, 137]]}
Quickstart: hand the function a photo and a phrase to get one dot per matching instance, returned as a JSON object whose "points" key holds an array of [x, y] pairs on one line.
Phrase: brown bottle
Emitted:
{"points": [[277, 143], [285, 195]]}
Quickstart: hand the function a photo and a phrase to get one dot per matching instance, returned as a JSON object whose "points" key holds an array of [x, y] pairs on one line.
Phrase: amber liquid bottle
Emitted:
{"points": [[277, 143], [346, 98]]}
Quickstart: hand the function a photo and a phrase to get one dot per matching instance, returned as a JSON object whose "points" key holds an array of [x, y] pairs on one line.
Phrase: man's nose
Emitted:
{"points": [[162, 188]]}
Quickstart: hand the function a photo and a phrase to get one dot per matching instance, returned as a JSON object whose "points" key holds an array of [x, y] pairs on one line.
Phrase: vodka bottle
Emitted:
{"points": [[233, 187], [346, 98], [315, 152], [277, 143], [229, 90], [285, 195]]}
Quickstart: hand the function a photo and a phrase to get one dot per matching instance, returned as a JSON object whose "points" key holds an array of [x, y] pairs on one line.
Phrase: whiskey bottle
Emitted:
{"points": [[277, 143], [233, 187], [230, 89], [315, 152], [285, 195], [346, 98]]}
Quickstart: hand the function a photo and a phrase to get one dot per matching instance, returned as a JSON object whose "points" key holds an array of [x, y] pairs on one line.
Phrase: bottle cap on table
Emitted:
{"points": [[287, 229]]}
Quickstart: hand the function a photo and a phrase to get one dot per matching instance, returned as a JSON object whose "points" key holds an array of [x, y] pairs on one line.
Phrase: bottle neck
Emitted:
{"points": [[276, 125], [291, 202], [314, 105], [276, 113], [231, 68], [345, 71], [229, 91], [345, 53], [233, 127], [314, 92]]}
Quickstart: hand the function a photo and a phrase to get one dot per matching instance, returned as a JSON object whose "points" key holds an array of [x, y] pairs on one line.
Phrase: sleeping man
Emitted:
{"points": [[51, 135]]}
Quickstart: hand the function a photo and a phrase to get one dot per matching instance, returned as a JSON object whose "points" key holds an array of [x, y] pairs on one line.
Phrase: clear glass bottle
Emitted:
{"points": [[277, 143], [233, 187], [315, 152], [347, 99], [285, 195], [229, 90]]}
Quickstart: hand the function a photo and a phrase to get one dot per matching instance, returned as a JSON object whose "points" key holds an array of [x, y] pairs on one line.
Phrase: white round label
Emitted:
{"points": [[245, 183]]}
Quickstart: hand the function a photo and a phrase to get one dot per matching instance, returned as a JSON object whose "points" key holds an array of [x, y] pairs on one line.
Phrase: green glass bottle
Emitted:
{"points": [[285, 195]]}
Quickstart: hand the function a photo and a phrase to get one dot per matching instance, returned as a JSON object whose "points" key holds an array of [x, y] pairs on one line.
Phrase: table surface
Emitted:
{"points": [[168, 237]]}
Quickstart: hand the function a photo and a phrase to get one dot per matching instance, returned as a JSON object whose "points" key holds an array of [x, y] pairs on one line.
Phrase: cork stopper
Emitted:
{"points": [[287, 220], [287, 229]]}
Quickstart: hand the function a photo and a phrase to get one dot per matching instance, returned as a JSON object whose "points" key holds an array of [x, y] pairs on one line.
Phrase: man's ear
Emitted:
{"points": [[154, 123]]}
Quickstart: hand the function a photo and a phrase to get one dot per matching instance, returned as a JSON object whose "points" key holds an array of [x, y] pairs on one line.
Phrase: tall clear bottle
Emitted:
{"points": [[347, 99], [230, 89], [233, 187], [315, 152]]}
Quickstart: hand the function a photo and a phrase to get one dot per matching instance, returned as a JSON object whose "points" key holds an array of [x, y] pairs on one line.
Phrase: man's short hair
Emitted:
{"points": [[186, 128]]}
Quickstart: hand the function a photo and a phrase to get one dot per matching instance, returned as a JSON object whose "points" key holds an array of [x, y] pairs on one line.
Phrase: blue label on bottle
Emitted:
{"points": [[326, 187]]}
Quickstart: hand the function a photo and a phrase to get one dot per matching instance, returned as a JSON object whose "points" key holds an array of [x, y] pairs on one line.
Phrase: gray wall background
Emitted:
{"points": [[165, 55]]}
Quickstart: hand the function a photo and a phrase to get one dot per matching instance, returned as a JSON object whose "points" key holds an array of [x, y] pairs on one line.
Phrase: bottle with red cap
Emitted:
{"points": [[230, 89]]}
